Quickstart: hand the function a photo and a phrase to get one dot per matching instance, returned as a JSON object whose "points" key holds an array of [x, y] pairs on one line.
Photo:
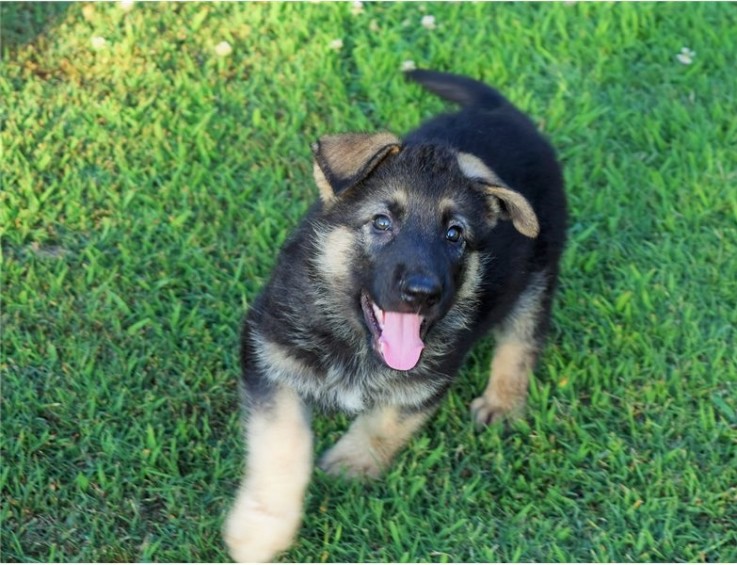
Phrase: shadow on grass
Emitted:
{"points": [[23, 22]]}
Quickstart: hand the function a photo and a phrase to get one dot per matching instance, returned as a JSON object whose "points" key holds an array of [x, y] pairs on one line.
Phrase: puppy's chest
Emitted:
{"points": [[363, 384], [359, 387]]}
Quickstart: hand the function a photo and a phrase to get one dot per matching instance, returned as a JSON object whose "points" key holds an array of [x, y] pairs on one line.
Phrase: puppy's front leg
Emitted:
{"points": [[373, 439], [268, 508], [519, 340]]}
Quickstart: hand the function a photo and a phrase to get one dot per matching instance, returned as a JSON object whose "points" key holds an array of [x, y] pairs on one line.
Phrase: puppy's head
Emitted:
{"points": [[410, 222]]}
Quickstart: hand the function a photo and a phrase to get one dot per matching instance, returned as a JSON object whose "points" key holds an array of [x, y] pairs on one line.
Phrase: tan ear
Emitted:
{"points": [[343, 160], [518, 209]]}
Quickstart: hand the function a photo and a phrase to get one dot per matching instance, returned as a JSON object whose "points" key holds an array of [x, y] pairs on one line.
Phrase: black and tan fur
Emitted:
{"points": [[385, 234]]}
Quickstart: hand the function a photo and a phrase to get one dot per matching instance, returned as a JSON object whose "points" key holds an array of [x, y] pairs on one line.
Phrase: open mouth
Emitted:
{"points": [[397, 336]]}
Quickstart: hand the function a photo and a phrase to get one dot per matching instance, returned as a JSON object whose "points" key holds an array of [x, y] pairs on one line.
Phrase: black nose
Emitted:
{"points": [[421, 290]]}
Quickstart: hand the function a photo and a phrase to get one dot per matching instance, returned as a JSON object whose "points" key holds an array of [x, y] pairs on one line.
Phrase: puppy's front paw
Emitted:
{"points": [[256, 534], [487, 410], [350, 459]]}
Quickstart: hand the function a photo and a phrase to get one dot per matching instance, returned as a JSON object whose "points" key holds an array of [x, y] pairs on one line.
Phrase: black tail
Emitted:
{"points": [[459, 89]]}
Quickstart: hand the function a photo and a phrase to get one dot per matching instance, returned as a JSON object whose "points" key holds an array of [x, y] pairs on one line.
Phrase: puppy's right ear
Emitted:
{"points": [[344, 160]]}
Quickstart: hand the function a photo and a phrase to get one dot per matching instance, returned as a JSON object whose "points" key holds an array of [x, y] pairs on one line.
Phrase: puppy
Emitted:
{"points": [[416, 249]]}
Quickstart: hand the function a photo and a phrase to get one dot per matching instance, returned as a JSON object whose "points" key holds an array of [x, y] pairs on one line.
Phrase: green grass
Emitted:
{"points": [[147, 185]]}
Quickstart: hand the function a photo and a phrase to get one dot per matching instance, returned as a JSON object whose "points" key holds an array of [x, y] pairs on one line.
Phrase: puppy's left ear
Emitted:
{"points": [[344, 160], [515, 207]]}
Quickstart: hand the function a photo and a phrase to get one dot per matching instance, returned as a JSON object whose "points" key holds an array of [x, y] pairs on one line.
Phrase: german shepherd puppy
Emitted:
{"points": [[416, 248]]}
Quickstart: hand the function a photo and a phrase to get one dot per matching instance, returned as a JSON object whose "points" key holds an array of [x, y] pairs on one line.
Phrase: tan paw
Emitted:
{"points": [[487, 410], [254, 534], [348, 459]]}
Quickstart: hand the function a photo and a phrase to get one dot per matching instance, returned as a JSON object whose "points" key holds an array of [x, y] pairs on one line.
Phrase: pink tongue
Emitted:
{"points": [[400, 340]]}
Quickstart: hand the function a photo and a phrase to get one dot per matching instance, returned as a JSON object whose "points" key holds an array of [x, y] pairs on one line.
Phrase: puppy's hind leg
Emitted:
{"points": [[519, 340], [268, 508]]}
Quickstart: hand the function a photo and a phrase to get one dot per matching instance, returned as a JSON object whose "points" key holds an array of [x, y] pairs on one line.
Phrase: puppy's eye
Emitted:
{"points": [[382, 222], [454, 234]]}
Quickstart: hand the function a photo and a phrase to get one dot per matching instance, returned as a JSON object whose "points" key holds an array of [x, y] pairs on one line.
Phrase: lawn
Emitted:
{"points": [[149, 174]]}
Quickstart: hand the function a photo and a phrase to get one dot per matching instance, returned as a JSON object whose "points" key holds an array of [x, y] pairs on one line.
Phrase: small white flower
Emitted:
{"points": [[126, 5], [408, 65], [428, 22], [223, 49], [357, 8], [336, 44], [98, 42], [686, 56]]}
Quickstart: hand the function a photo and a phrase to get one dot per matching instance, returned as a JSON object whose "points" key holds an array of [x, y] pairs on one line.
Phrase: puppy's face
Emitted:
{"points": [[413, 222], [417, 216]]}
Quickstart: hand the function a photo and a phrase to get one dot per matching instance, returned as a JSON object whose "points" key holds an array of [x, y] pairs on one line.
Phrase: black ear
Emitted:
{"points": [[514, 207], [343, 160]]}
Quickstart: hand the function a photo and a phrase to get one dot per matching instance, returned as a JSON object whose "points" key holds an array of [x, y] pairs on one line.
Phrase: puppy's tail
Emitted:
{"points": [[459, 89]]}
